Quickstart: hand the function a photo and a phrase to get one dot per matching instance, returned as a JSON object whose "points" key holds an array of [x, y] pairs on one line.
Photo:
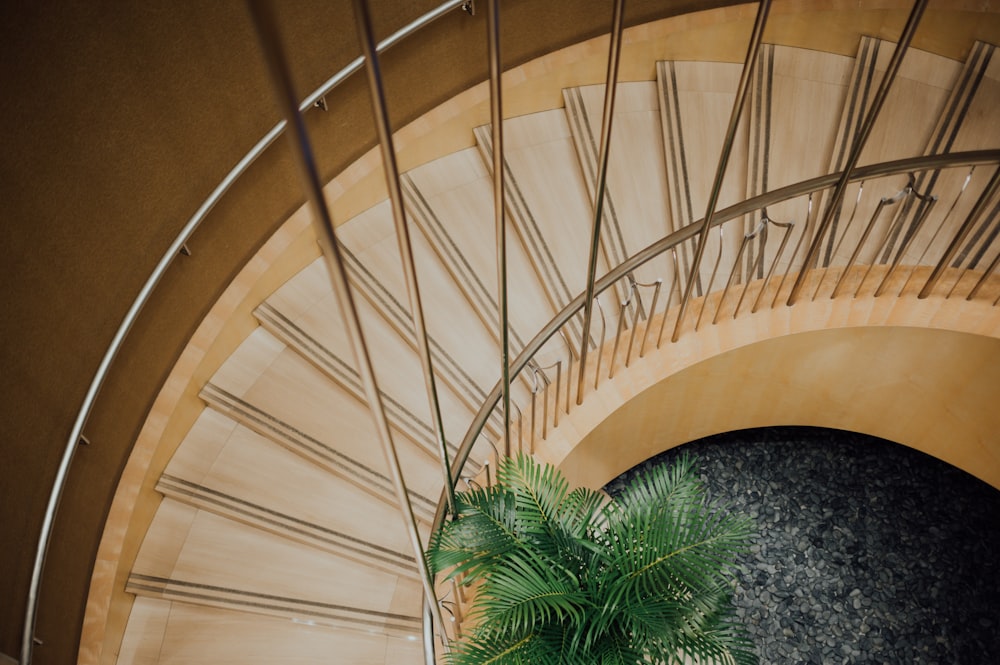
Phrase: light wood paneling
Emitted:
{"points": [[920, 372], [178, 633]]}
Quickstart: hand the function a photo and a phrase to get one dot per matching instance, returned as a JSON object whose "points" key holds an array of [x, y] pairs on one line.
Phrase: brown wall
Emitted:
{"points": [[118, 120]]}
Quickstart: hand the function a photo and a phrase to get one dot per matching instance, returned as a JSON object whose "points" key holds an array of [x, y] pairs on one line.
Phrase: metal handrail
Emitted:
{"points": [[669, 242], [132, 315]]}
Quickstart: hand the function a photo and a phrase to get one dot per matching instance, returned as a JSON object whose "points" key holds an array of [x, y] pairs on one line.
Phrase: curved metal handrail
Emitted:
{"points": [[670, 242], [926, 162], [62, 473]]}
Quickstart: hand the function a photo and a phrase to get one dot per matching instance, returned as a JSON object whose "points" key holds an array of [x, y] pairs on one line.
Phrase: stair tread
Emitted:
{"points": [[454, 206], [201, 558], [169, 631], [462, 341], [224, 467], [636, 210]]}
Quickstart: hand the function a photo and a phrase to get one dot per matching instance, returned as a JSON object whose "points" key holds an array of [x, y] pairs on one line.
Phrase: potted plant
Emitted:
{"points": [[578, 578]]}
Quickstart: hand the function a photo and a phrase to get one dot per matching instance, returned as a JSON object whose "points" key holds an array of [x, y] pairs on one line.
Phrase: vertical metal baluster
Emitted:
{"points": [[757, 262], [859, 143], [883, 202], [674, 286], [727, 148], [788, 226], [545, 409], [649, 318], [600, 347], [986, 276], [732, 273], [496, 117], [956, 241], [635, 325], [622, 311], [555, 402], [711, 282], [264, 22], [569, 367], [611, 87], [391, 173], [534, 401], [840, 243]]}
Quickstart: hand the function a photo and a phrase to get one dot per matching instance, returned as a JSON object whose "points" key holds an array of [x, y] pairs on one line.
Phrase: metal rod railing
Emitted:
{"points": [[391, 171], [956, 241], [687, 233], [672, 241], [265, 23], [146, 291], [727, 147], [859, 144], [610, 88], [496, 117]]}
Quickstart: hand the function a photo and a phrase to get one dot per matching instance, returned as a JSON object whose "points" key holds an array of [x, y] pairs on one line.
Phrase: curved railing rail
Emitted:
{"points": [[175, 248], [811, 188]]}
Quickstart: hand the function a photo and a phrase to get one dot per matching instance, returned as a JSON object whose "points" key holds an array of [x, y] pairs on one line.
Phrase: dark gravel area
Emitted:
{"points": [[865, 551]]}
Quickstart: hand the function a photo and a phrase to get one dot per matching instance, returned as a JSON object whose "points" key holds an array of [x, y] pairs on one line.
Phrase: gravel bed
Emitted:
{"points": [[865, 551]]}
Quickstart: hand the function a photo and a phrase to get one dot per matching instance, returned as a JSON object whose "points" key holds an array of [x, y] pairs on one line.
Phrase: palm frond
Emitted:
{"points": [[538, 489], [573, 578], [484, 530], [529, 590]]}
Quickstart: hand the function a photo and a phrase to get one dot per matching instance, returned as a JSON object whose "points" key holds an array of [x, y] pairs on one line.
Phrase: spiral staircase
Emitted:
{"points": [[266, 526]]}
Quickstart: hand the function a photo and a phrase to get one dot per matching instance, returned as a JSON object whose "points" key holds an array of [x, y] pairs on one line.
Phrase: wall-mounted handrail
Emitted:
{"points": [[132, 314]]}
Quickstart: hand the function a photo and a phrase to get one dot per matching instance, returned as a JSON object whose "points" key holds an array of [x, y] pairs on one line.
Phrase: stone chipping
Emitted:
{"points": [[865, 551]]}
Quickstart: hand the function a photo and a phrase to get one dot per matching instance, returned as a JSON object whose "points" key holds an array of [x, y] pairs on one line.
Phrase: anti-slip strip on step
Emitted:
{"points": [[184, 591], [675, 151], [859, 93], [612, 240], [398, 316], [340, 371], [952, 122], [466, 278], [284, 524], [309, 447], [552, 280]]}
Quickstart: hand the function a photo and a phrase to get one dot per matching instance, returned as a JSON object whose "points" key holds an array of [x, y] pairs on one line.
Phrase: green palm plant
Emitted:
{"points": [[572, 578]]}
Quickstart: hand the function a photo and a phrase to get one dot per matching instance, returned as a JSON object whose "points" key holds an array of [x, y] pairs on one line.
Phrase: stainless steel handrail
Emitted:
{"points": [[86, 407], [671, 241], [871, 171]]}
